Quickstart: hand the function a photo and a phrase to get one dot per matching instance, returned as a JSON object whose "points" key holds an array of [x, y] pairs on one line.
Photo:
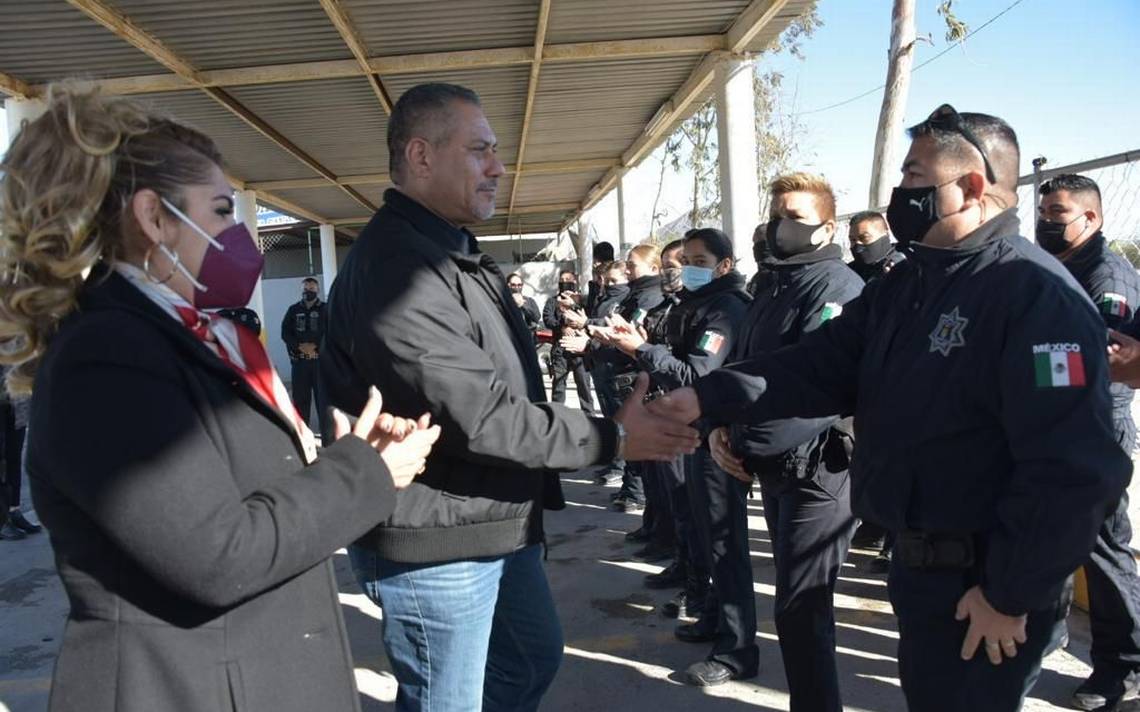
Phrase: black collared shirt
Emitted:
{"points": [[443, 233]]}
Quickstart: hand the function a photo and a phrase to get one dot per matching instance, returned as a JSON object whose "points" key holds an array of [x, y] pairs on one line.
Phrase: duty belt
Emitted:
{"points": [[924, 550]]}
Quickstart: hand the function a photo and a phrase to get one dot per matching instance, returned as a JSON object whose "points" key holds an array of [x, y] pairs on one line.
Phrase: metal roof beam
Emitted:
{"points": [[339, 17], [14, 87], [531, 91], [417, 63], [122, 27], [530, 169], [754, 18]]}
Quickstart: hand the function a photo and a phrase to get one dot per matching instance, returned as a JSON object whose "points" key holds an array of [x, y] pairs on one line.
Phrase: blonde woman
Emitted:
{"points": [[191, 520]]}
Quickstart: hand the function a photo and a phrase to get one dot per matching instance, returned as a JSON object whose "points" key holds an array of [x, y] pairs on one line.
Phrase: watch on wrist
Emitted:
{"points": [[621, 441]]}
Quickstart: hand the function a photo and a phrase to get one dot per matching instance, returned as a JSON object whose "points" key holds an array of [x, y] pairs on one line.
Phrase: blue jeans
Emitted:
{"points": [[466, 635]]}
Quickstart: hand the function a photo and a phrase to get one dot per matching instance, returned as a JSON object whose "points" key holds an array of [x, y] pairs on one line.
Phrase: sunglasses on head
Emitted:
{"points": [[947, 118]]}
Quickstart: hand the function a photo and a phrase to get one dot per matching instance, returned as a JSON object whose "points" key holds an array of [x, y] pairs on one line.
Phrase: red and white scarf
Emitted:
{"points": [[235, 345]]}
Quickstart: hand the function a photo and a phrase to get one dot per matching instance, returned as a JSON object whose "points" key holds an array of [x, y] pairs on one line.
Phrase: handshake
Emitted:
{"points": [[659, 429]]}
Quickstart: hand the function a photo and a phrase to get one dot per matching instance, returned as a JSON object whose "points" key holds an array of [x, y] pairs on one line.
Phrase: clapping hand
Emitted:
{"points": [[574, 343], [624, 336], [574, 319], [404, 444], [651, 437], [725, 458]]}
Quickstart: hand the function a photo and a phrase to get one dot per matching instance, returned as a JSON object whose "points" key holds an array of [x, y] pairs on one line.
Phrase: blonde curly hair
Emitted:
{"points": [[66, 185]]}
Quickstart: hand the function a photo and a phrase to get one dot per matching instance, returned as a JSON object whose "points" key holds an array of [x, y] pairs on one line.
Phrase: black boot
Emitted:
{"points": [[672, 576], [17, 519]]}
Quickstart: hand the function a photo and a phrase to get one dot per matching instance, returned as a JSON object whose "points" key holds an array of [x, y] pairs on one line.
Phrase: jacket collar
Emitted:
{"points": [[1087, 253], [1005, 224], [448, 237], [827, 252], [728, 282], [649, 282], [105, 289]]}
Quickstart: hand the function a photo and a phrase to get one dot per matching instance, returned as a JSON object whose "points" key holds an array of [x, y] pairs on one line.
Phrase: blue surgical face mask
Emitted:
{"points": [[693, 278]]}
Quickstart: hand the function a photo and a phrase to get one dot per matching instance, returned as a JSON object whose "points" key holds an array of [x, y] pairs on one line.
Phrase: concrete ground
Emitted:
{"points": [[620, 651]]}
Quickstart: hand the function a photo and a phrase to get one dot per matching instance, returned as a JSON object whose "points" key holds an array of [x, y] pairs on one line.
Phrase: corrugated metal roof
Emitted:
{"points": [[304, 112], [599, 20], [249, 155], [418, 26], [210, 34], [597, 109], [47, 40], [592, 108]]}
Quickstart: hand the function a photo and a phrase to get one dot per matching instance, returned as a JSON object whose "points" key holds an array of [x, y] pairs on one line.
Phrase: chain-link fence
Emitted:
{"points": [[1119, 179]]}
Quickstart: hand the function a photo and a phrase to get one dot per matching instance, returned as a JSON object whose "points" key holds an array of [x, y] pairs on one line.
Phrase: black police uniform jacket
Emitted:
{"points": [[303, 324], [643, 296], [955, 365], [1112, 283], [699, 333], [803, 293], [192, 542], [420, 313]]}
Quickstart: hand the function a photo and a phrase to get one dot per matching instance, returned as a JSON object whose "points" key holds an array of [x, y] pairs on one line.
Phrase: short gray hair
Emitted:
{"points": [[420, 106]]}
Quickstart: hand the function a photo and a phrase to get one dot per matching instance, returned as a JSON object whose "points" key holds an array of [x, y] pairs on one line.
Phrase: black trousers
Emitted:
{"points": [[658, 518], [561, 366], [13, 449], [720, 526], [306, 391], [810, 524], [1114, 596], [934, 676], [602, 374]]}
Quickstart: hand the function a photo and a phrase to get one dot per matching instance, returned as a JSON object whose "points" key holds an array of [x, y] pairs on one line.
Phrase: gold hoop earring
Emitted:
{"points": [[173, 268]]}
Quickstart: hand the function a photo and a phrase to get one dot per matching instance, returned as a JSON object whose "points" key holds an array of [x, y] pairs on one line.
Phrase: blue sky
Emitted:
{"points": [[1063, 73]]}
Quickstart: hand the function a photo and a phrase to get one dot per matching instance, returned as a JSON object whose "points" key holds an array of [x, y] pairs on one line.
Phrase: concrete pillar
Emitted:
{"points": [[245, 207], [623, 230], [17, 111], [736, 141], [585, 249], [328, 256]]}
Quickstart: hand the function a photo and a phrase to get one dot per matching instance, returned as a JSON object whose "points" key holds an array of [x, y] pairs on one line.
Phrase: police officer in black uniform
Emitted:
{"points": [[561, 363], [1069, 226], [302, 330], [800, 463], [871, 247], [657, 525], [977, 374], [701, 334]]}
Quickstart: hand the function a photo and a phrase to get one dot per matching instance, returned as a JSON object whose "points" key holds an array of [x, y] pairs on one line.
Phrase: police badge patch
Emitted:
{"points": [[948, 334]]}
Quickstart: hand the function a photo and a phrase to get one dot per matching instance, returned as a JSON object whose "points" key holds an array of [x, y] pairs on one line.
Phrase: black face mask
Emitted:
{"points": [[1051, 235], [615, 291], [516, 288], [567, 287], [788, 238], [872, 253], [671, 279], [912, 212]]}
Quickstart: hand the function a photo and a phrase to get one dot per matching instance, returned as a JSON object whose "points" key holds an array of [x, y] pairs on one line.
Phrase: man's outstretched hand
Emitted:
{"points": [[679, 406], [650, 436]]}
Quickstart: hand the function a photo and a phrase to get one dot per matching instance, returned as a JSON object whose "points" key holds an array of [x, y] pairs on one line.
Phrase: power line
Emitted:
{"points": [[970, 34]]}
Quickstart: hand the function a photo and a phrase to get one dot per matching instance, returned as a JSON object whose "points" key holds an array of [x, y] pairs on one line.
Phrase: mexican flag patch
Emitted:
{"points": [[638, 316], [830, 311], [1058, 365], [711, 342], [1112, 304]]}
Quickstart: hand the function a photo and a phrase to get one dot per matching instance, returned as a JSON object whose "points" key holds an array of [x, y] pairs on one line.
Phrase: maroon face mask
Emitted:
{"points": [[230, 269]]}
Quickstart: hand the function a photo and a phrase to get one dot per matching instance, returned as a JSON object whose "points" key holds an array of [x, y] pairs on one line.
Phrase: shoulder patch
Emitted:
{"points": [[711, 342], [830, 311], [1058, 365], [1113, 304]]}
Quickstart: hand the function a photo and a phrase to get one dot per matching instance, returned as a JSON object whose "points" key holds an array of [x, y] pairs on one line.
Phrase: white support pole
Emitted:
{"points": [[245, 207], [328, 256], [736, 141], [17, 111], [623, 239]]}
